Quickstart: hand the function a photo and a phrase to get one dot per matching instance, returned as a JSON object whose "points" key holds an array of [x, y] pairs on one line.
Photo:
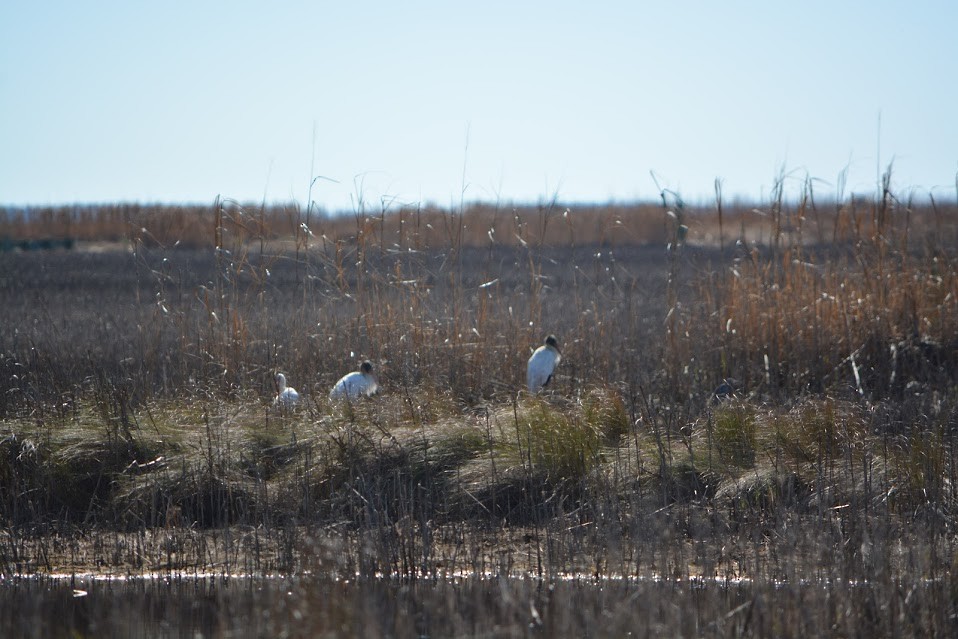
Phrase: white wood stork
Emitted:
{"points": [[355, 384], [286, 396], [542, 363]]}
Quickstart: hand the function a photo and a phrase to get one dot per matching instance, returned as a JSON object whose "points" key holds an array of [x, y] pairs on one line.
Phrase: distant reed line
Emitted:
{"points": [[479, 225]]}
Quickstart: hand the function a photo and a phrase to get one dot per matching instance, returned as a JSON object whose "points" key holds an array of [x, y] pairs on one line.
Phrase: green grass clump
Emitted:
{"points": [[920, 468], [734, 434], [817, 430], [564, 447], [605, 412]]}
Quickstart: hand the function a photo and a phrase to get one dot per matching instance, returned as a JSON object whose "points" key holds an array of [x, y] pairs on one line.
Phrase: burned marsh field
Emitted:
{"points": [[815, 495]]}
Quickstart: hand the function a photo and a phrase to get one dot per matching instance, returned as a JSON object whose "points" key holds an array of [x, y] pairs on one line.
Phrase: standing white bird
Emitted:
{"points": [[286, 396], [542, 363], [352, 385]]}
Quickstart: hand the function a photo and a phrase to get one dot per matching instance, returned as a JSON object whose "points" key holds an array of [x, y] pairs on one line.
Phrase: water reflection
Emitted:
{"points": [[474, 606]]}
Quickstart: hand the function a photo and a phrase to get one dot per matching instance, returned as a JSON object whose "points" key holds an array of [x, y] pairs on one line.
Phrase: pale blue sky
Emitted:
{"points": [[412, 101]]}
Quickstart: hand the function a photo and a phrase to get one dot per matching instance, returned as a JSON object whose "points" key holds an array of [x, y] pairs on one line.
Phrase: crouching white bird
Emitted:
{"points": [[286, 396], [542, 363], [351, 386]]}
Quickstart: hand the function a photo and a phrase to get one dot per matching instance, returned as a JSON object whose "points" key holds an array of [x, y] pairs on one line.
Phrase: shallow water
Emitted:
{"points": [[217, 606]]}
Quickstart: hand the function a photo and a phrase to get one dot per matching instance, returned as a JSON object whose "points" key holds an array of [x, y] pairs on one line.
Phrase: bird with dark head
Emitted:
{"points": [[542, 364], [356, 384]]}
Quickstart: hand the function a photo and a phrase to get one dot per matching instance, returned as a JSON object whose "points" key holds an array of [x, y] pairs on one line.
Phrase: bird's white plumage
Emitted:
{"points": [[355, 384], [286, 396], [542, 364]]}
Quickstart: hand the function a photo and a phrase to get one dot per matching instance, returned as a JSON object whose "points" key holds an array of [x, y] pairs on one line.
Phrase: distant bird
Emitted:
{"points": [[351, 386], [286, 396], [725, 390], [542, 363]]}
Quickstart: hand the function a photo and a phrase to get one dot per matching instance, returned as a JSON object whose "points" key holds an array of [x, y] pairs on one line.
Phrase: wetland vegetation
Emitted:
{"points": [[817, 497]]}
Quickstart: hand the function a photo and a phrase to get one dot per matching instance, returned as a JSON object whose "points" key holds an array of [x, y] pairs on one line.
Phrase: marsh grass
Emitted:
{"points": [[138, 434], [733, 435]]}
